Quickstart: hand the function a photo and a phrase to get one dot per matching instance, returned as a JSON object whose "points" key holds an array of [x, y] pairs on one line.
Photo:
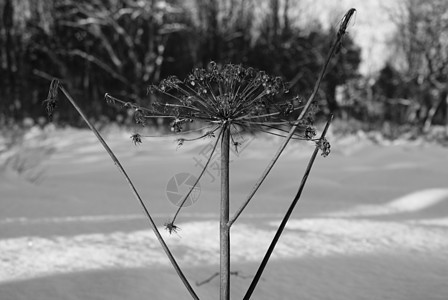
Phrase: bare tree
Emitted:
{"points": [[422, 54], [223, 29], [16, 41]]}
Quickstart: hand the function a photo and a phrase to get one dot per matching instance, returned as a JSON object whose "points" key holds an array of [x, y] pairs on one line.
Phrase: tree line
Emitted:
{"points": [[122, 46]]}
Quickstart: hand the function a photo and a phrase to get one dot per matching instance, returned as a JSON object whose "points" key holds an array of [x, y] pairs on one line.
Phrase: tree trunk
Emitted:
{"points": [[446, 116], [431, 114], [224, 227], [274, 6]]}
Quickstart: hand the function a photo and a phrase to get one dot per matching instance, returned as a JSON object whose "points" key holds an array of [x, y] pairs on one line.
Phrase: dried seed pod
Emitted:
{"points": [[139, 117], [51, 101], [324, 146], [136, 138], [171, 227]]}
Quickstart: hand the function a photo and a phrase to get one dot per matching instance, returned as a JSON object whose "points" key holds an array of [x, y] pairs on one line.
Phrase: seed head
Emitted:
{"points": [[224, 94], [171, 227], [51, 101], [136, 138], [324, 146]]}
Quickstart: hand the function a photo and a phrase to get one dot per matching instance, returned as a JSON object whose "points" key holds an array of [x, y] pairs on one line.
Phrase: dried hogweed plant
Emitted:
{"points": [[224, 99]]}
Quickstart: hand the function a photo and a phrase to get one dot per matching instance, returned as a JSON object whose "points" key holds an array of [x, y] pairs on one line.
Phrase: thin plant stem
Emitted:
{"points": [[336, 45], [207, 134], [170, 136], [224, 216], [286, 217], [234, 273], [197, 180], [136, 194]]}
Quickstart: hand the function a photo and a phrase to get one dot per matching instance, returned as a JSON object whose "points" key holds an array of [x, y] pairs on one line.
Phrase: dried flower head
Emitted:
{"points": [[310, 132], [51, 101], [136, 138], [171, 227], [228, 94], [180, 142], [139, 117], [324, 146]]}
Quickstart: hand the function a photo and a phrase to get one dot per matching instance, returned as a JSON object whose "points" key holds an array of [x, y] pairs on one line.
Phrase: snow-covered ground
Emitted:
{"points": [[372, 222]]}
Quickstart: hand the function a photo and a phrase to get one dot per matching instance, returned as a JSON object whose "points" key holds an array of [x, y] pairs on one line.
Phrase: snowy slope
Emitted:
{"points": [[372, 223]]}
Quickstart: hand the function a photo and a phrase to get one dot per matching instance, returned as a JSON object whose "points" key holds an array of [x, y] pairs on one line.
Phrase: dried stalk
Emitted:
{"points": [[286, 217], [334, 49], [136, 194], [225, 208], [185, 197]]}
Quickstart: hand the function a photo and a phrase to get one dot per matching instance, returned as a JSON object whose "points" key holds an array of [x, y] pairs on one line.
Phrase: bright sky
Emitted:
{"points": [[371, 28]]}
